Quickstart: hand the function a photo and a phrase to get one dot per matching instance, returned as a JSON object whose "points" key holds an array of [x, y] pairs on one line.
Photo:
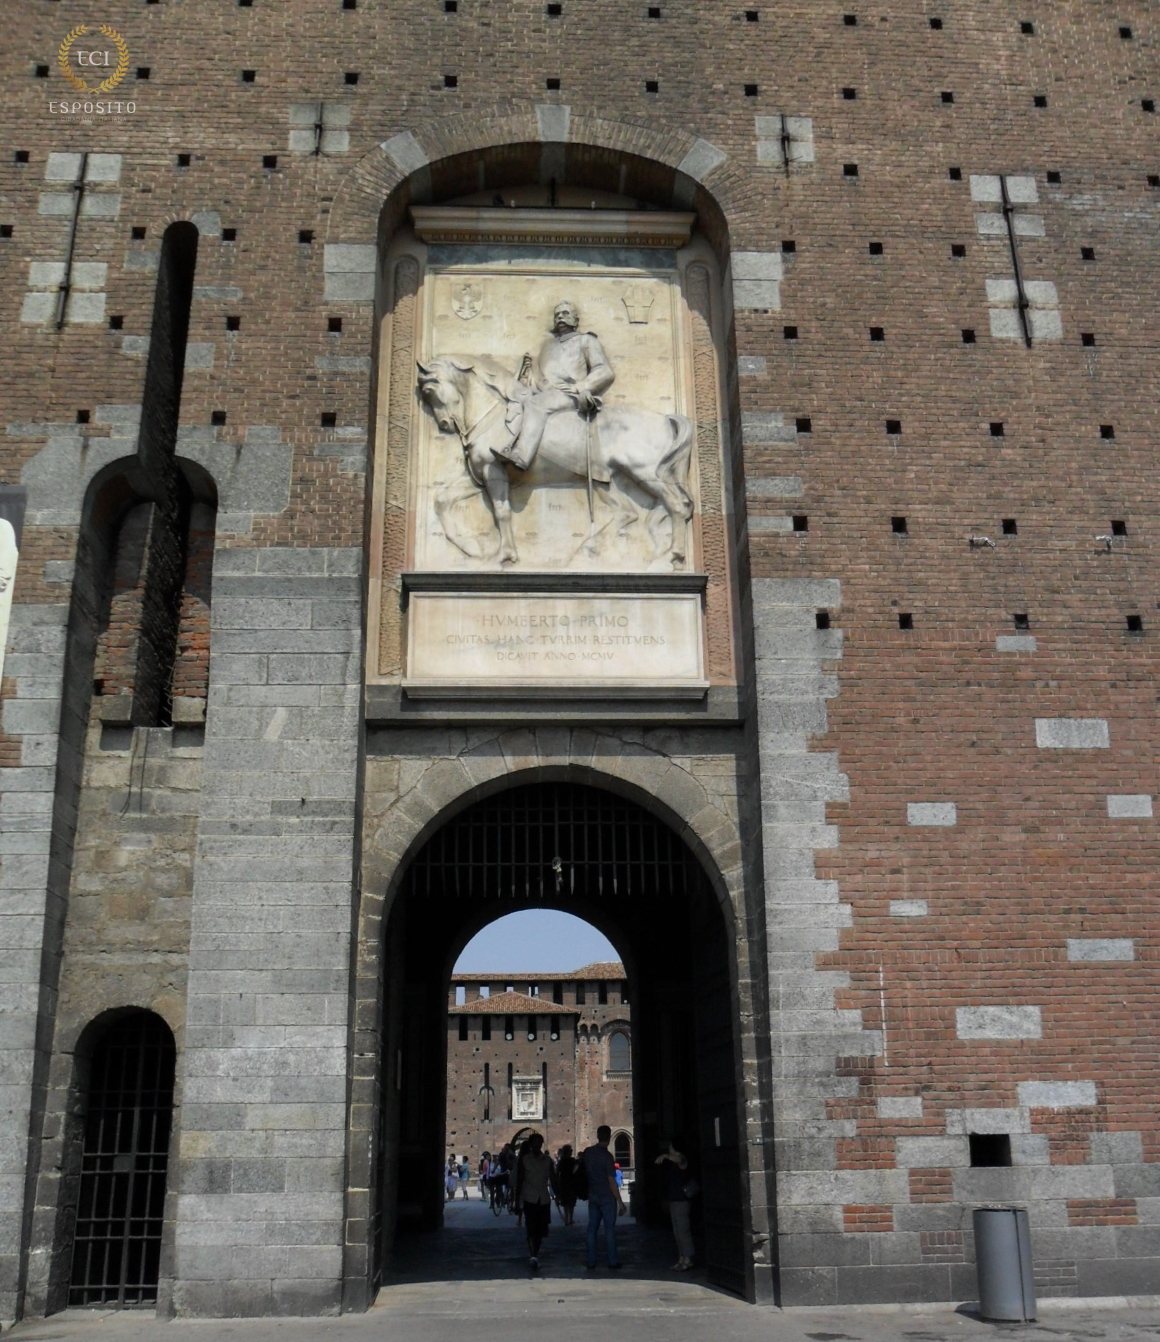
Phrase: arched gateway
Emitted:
{"points": [[603, 857]]}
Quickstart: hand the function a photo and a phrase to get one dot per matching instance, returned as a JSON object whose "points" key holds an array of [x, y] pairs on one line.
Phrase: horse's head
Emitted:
{"points": [[442, 385]]}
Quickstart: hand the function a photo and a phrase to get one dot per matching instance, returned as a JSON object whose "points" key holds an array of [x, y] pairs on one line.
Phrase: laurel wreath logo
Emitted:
{"points": [[106, 85]]}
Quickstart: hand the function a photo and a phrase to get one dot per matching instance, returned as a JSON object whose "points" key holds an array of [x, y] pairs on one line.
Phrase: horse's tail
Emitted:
{"points": [[673, 467]]}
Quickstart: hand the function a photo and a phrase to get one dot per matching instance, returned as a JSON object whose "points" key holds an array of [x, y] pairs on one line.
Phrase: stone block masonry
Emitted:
{"points": [[260, 1176]]}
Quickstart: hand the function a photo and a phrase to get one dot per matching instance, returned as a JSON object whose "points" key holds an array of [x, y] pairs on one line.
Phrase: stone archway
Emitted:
{"points": [[586, 850], [408, 801]]}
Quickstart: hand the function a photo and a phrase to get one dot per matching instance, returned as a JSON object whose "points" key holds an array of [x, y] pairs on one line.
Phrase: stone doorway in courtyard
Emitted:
{"points": [[647, 1038]]}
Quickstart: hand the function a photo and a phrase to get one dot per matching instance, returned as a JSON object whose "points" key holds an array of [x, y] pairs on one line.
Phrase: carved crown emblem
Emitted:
{"points": [[466, 300]]}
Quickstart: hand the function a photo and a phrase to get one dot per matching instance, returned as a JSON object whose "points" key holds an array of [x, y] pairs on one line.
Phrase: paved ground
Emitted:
{"points": [[470, 1283]]}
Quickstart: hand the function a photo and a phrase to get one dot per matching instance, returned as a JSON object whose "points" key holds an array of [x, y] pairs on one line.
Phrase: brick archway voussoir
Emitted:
{"points": [[360, 199]]}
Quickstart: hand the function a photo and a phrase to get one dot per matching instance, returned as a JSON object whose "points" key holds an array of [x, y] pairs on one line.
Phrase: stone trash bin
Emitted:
{"points": [[1003, 1263]]}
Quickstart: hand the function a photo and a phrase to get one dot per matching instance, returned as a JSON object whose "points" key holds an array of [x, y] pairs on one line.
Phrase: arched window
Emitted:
{"points": [[619, 1053], [622, 1148], [124, 1159]]}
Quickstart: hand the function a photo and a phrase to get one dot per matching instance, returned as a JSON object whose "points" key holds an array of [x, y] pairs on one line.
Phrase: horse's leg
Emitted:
{"points": [[495, 479], [445, 503]]}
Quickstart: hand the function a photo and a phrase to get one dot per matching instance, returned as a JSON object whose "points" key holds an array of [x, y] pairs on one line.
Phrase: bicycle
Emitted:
{"points": [[501, 1198]]}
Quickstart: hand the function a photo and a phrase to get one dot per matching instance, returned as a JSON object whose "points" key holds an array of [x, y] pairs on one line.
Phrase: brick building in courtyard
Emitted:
{"points": [[686, 465], [545, 1051]]}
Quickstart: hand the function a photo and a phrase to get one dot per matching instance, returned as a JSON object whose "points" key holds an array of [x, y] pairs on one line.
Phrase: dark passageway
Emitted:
{"points": [[607, 860]]}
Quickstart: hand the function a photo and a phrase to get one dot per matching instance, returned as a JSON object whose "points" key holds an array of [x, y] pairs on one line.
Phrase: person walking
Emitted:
{"points": [[464, 1172], [484, 1169], [535, 1184], [604, 1200], [680, 1187], [567, 1168], [451, 1178]]}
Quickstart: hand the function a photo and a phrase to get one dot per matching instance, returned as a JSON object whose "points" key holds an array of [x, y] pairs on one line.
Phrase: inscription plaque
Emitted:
{"points": [[460, 643]]}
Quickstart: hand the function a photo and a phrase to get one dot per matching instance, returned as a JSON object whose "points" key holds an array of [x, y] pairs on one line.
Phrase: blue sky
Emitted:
{"points": [[536, 941]]}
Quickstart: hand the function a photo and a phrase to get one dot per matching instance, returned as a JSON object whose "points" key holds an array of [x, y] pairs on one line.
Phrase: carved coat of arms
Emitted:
{"points": [[466, 300]]}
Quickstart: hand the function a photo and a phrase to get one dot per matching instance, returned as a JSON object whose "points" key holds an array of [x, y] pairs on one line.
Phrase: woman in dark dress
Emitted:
{"points": [[566, 1168]]}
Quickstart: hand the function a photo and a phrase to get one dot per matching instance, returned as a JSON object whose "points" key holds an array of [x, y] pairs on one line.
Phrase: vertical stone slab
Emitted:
{"points": [[261, 1168], [803, 917], [32, 896]]}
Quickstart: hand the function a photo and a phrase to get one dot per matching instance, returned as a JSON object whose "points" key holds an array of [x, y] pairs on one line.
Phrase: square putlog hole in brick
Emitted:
{"points": [[652, 86], [898, 526], [955, 174], [849, 170], [233, 323], [218, 418], [958, 251], [350, 77], [1119, 527], [1010, 527], [874, 248], [905, 620], [328, 419], [450, 81], [1107, 431], [229, 235], [1021, 620], [5, 230], [989, 1149], [850, 20], [1087, 253], [877, 334], [893, 426], [998, 429], [334, 325], [1054, 177], [751, 90], [822, 619], [946, 96], [305, 236], [117, 322], [801, 522], [249, 76], [849, 94], [1040, 100], [803, 424], [1135, 624], [936, 24], [789, 332], [269, 162], [788, 246], [1087, 338], [1027, 29], [968, 336]]}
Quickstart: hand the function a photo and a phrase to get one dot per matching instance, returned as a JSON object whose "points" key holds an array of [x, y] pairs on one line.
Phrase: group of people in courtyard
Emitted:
{"points": [[529, 1181]]}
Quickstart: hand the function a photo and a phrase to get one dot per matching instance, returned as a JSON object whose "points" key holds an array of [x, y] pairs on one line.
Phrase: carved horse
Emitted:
{"points": [[479, 400]]}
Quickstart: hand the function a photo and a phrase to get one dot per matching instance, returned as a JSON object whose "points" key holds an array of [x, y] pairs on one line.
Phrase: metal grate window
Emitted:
{"points": [[117, 1247], [545, 839]]}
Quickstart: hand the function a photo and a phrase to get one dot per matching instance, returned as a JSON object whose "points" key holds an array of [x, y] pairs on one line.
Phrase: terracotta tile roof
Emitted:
{"points": [[511, 1004], [599, 969]]}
